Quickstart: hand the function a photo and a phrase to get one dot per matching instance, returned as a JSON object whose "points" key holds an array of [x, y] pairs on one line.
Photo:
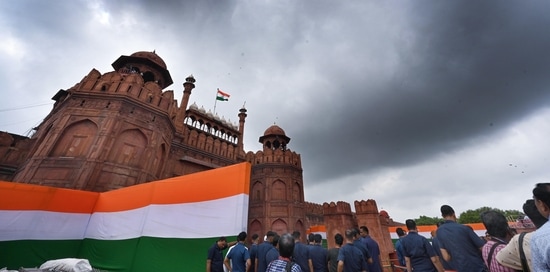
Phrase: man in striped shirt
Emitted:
{"points": [[284, 263]]}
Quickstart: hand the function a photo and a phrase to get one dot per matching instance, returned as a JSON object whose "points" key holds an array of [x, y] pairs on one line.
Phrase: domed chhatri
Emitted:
{"points": [[151, 56], [274, 130], [274, 138], [274, 133], [148, 64]]}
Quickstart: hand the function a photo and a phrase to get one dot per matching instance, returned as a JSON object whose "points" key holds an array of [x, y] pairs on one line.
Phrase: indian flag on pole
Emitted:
{"points": [[222, 96]]}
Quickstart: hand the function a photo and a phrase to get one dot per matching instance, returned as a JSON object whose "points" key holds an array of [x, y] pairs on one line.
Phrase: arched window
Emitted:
{"points": [[278, 190], [297, 192], [160, 155], [257, 191], [255, 228], [76, 139], [129, 148], [299, 226], [279, 226]]}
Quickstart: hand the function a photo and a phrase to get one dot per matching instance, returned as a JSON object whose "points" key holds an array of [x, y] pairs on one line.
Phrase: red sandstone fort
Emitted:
{"points": [[122, 128]]}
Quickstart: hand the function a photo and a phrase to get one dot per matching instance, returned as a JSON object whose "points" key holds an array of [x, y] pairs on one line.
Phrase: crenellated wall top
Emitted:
{"points": [[314, 208], [339, 207], [368, 206], [288, 157], [129, 85]]}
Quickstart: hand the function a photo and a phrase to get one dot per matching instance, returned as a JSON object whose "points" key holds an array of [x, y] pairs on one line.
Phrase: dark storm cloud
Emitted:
{"points": [[371, 92], [45, 21], [179, 21], [468, 71]]}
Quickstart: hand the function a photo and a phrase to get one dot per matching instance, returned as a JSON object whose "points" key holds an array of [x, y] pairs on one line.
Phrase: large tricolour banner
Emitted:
{"points": [[165, 225]]}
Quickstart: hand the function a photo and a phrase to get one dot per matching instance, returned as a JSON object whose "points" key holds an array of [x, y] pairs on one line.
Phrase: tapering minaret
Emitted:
{"points": [[242, 117], [188, 86]]}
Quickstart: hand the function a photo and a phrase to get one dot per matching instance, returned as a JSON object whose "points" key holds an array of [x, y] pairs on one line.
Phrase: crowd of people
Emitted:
{"points": [[453, 247], [456, 247], [287, 253]]}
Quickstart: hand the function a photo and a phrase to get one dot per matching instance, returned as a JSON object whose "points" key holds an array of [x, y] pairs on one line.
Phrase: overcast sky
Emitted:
{"points": [[413, 104]]}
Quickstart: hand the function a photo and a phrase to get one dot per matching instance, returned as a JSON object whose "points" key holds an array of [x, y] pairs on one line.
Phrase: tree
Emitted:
{"points": [[469, 216], [425, 220], [474, 216]]}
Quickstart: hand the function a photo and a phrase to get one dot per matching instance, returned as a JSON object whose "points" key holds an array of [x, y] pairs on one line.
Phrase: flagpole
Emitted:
{"points": [[216, 101]]}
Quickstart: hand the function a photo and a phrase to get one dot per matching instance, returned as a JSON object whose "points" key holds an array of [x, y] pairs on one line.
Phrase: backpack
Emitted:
{"points": [[289, 266]]}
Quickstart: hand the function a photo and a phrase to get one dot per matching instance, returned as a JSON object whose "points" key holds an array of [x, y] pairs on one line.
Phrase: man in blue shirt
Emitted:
{"points": [[239, 256], [361, 246], [374, 250], [253, 252], [263, 248], [214, 259], [273, 253], [317, 255], [398, 247], [437, 249], [419, 254], [301, 252], [459, 244], [350, 258]]}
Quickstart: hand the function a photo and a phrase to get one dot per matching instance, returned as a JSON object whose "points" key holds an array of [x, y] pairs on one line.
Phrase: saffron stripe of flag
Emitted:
{"points": [[425, 231], [222, 96]]}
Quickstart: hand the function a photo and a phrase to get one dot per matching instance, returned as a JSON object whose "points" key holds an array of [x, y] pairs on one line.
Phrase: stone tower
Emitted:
{"points": [[276, 186], [109, 131]]}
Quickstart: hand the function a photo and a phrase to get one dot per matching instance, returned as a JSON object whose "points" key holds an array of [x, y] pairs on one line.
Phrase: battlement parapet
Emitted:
{"points": [[339, 207], [288, 157], [127, 85], [366, 207], [314, 208]]}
